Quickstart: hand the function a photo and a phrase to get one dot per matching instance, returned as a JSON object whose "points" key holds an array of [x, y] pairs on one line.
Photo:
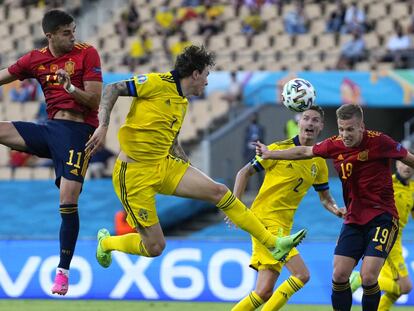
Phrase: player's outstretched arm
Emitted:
{"points": [[330, 205], [409, 159], [110, 95], [295, 153], [242, 178], [6, 76]]}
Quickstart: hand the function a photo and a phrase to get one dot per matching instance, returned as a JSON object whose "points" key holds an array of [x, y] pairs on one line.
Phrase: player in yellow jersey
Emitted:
{"points": [[394, 280], [285, 184], [151, 160]]}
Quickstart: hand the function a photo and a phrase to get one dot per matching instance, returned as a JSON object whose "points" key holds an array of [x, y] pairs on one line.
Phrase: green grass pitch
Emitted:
{"points": [[110, 305]]}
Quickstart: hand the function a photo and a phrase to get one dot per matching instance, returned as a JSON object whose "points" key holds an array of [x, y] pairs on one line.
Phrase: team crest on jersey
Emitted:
{"points": [[41, 67], [363, 155], [314, 170], [143, 214], [70, 67], [141, 79], [54, 68]]}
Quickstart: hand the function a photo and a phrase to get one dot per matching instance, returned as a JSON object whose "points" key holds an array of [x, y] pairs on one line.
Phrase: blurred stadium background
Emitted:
{"points": [[358, 52]]}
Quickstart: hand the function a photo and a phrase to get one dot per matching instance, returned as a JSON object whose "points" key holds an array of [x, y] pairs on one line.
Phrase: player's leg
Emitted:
{"points": [[10, 137], [195, 184], [67, 141], [134, 184], [266, 279], [68, 233], [298, 278], [380, 235], [269, 270], [348, 251]]}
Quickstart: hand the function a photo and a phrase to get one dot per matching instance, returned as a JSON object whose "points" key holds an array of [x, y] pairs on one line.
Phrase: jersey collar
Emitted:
{"points": [[400, 179], [176, 77], [296, 140]]}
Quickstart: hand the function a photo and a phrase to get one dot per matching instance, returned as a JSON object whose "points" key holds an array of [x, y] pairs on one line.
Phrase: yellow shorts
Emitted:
{"points": [[395, 267], [137, 183], [262, 259]]}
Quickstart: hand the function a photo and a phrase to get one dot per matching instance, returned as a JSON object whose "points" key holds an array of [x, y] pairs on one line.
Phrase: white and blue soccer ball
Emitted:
{"points": [[298, 95]]}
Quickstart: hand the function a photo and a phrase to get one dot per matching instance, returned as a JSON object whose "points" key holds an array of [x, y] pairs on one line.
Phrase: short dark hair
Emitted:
{"points": [[53, 19], [319, 110], [348, 111], [193, 58]]}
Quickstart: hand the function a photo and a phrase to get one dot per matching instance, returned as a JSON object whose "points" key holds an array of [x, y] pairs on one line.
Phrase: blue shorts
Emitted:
{"points": [[375, 238], [62, 141]]}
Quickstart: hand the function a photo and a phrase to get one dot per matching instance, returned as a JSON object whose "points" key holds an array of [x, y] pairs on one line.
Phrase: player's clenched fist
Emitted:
{"points": [[261, 150]]}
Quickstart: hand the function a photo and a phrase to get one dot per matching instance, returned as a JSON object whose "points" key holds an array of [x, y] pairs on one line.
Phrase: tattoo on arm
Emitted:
{"points": [[110, 95], [178, 151]]}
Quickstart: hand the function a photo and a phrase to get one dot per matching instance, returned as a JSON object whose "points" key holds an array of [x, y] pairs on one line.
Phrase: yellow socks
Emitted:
{"points": [[386, 302], [249, 303], [283, 293], [130, 243], [389, 285], [243, 217]]}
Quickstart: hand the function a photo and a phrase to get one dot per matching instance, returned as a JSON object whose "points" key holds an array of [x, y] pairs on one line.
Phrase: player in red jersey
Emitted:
{"points": [[70, 76], [362, 159]]}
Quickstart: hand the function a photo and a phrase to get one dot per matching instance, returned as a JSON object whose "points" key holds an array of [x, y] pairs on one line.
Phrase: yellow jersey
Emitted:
{"points": [[285, 184], [403, 196], [155, 117]]}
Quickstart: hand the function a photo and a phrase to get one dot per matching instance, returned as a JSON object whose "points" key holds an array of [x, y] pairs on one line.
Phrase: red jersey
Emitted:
{"points": [[82, 64], [365, 172]]}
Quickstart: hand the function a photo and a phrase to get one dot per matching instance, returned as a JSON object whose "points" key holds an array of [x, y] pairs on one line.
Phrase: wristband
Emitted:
{"points": [[71, 89]]}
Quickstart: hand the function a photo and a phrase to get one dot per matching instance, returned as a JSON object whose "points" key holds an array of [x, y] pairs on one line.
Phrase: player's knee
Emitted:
{"points": [[369, 278], [218, 192], [340, 276], [406, 288], [264, 292], [304, 277], [155, 249]]}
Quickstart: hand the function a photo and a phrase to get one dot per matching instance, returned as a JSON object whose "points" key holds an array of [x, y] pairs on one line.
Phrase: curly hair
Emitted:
{"points": [[193, 58]]}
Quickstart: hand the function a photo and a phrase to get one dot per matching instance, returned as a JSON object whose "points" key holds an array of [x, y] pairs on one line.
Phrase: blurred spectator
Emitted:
{"points": [[208, 26], [352, 52], [354, 19], [193, 3], [234, 95], [41, 115], [296, 21], [121, 225], [292, 127], [23, 91], [254, 132], [165, 20], [20, 159], [398, 48], [179, 46], [100, 162], [140, 51], [133, 21], [336, 18], [410, 28], [252, 24]]}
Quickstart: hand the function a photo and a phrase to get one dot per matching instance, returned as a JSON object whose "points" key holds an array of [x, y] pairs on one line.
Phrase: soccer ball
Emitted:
{"points": [[298, 95]]}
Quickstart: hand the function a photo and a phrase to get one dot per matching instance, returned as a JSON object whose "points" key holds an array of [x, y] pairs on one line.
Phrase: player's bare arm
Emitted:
{"points": [[330, 205], [90, 97], [295, 153], [409, 159], [242, 179], [178, 151], [109, 97], [6, 77]]}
